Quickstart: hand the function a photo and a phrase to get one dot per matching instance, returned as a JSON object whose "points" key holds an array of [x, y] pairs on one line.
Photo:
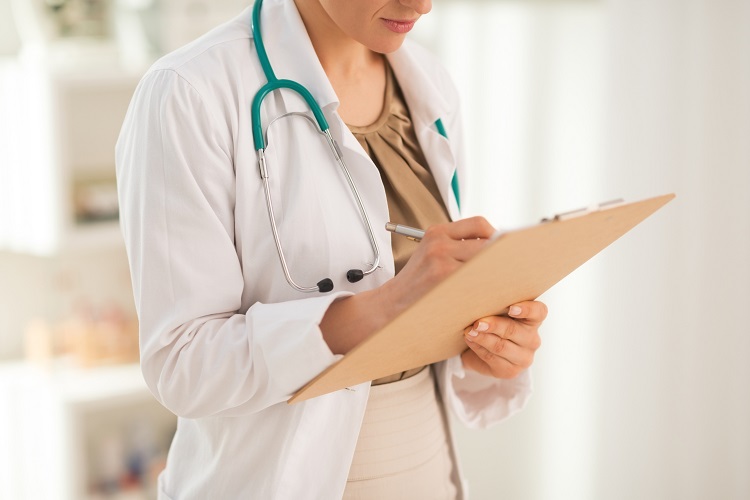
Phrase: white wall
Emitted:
{"points": [[679, 95], [642, 382]]}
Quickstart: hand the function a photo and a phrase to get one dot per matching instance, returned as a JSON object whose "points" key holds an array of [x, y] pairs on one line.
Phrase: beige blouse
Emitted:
{"points": [[411, 190], [403, 449]]}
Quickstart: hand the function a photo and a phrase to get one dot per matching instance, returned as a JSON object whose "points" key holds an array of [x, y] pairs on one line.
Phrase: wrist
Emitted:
{"points": [[352, 319], [392, 299]]}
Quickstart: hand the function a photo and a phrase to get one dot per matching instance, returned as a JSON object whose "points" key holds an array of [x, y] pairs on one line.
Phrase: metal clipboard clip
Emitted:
{"points": [[567, 215], [585, 210]]}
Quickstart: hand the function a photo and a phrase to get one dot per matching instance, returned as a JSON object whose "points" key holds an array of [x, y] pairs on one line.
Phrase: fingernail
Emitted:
{"points": [[482, 326], [514, 311], [473, 333]]}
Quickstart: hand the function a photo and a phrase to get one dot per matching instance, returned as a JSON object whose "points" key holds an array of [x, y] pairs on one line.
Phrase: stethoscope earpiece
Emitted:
{"points": [[325, 285], [354, 275]]}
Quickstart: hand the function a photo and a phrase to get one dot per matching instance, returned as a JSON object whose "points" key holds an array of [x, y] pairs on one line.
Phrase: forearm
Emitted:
{"points": [[444, 247], [351, 320]]}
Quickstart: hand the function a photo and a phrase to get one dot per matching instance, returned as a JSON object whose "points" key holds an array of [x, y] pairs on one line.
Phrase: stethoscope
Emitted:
{"points": [[321, 125]]}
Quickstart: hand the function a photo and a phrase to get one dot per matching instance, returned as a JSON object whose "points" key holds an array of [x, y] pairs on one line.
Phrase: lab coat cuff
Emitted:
{"points": [[480, 401], [292, 362]]}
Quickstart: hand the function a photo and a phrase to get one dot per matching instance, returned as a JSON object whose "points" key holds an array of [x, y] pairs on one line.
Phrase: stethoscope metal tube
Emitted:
{"points": [[324, 285], [353, 274], [261, 141]]}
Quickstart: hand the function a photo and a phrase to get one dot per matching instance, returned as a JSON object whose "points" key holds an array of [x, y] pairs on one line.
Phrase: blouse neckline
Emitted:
{"points": [[386, 111]]}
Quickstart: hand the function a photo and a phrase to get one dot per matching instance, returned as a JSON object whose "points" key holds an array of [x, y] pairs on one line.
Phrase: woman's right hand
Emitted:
{"points": [[442, 250]]}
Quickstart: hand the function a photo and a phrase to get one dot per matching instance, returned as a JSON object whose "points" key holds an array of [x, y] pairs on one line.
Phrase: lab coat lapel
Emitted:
{"points": [[293, 57], [290, 51], [427, 105], [442, 162]]}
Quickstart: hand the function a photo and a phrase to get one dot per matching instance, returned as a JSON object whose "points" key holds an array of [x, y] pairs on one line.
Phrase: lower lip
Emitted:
{"points": [[398, 26]]}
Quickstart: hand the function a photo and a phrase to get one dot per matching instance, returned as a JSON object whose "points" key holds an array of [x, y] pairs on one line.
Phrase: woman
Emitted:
{"points": [[225, 341]]}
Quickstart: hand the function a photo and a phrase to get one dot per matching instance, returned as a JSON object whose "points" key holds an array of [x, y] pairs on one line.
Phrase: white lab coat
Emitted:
{"points": [[225, 341]]}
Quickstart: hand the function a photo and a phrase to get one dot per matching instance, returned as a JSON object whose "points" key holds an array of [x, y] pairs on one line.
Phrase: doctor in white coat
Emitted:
{"points": [[225, 340]]}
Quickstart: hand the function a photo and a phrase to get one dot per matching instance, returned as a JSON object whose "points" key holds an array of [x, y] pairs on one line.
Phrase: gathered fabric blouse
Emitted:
{"points": [[412, 193], [403, 449]]}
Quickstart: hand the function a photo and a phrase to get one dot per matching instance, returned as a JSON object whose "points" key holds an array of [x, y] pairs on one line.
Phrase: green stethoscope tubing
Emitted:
{"points": [[274, 83]]}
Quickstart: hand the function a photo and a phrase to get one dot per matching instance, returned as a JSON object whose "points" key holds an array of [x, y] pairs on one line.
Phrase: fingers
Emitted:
{"points": [[522, 332], [444, 248], [457, 250], [530, 311], [465, 229], [518, 349], [503, 346], [459, 240], [480, 360]]}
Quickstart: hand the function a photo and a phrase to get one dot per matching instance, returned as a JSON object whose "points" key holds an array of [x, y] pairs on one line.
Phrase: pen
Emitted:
{"points": [[410, 232]]}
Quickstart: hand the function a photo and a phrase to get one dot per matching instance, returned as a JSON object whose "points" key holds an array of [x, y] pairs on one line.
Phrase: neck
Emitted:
{"points": [[339, 54]]}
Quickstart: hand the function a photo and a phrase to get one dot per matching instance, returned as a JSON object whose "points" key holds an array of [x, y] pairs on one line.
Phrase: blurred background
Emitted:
{"points": [[642, 387]]}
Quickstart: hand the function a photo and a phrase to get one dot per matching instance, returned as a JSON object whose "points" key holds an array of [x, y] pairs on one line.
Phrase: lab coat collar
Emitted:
{"points": [[406, 68], [293, 57], [427, 104], [290, 50]]}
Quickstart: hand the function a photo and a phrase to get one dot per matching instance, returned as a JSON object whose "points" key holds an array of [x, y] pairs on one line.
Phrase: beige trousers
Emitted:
{"points": [[402, 451]]}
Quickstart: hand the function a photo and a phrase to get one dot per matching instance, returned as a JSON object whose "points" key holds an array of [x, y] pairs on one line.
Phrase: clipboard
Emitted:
{"points": [[518, 265]]}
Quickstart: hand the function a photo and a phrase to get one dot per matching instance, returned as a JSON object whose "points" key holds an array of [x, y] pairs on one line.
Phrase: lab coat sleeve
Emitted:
{"points": [[200, 355], [480, 401]]}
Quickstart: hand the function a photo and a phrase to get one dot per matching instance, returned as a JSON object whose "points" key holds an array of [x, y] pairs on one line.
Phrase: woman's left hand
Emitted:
{"points": [[504, 346]]}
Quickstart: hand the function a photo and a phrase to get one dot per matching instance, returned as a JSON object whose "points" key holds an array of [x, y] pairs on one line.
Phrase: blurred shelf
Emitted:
{"points": [[97, 385], [64, 420], [70, 384], [104, 235], [66, 120]]}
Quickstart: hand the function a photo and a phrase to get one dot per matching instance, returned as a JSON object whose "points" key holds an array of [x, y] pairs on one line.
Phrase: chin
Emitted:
{"points": [[387, 46]]}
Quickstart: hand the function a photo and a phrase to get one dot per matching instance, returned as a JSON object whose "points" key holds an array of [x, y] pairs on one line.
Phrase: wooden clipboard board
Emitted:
{"points": [[517, 266]]}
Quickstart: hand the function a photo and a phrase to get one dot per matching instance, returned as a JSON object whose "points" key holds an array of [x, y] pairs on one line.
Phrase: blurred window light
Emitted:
{"points": [[531, 78], [10, 43]]}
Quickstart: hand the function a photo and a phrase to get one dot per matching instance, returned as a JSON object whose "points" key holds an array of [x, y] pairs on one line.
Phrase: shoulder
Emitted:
{"points": [[228, 39], [210, 62], [209, 76]]}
